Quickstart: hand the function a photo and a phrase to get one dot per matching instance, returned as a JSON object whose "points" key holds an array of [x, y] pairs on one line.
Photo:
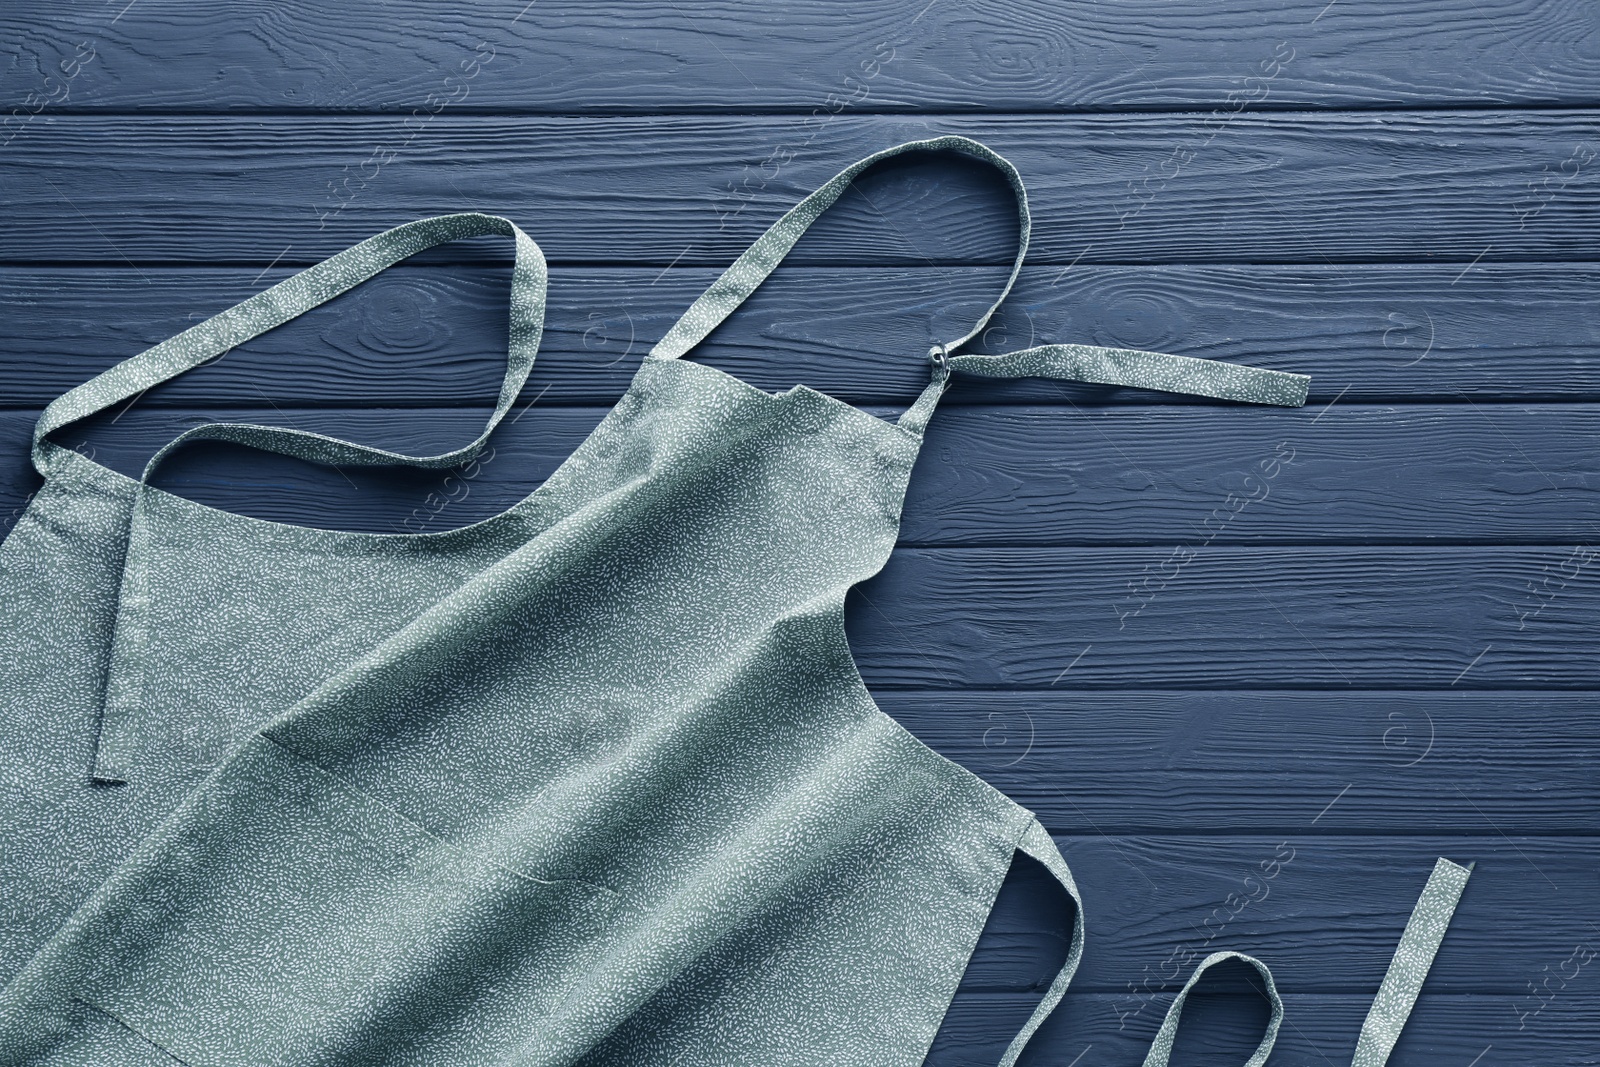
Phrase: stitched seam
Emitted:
{"points": [[135, 1031]]}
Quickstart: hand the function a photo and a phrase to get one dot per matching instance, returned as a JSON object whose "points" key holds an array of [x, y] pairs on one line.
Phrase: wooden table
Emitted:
{"points": [[1256, 668]]}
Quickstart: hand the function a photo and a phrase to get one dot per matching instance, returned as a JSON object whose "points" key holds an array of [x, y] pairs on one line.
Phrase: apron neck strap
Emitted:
{"points": [[289, 298], [1085, 363], [761, 258]]}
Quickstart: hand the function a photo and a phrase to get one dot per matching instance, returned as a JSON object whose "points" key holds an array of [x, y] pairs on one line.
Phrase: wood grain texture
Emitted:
{"points": [[1152, 760], [1320, 1029], [1380, 653], [1318, 617], [1387, 762], [437, 336], [1193, 615], [1295, 187], [810, 56], [988, 475], [1325, 911]]}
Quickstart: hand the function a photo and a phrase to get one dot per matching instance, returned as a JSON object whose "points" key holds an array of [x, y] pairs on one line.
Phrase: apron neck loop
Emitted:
{"points": [[1107, 366], [762, 258]]}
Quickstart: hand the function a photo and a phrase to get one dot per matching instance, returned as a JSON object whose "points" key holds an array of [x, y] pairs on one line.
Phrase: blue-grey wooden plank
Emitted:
{"points": [[1080, 474], [1319, 617], [1294, 187], [1325, 911], [1320, 1029], [1389, 762], [802, 56], [1183, 717], [1192, 614], [436, 335], [1317, 743]]}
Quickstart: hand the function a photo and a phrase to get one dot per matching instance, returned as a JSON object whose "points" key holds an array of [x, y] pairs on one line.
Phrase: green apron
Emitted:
{"points": [[593, 781]]}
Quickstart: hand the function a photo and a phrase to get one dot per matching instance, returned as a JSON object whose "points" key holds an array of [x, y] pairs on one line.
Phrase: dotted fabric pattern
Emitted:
{"points": [[758, 261], [1409, 966], [293, 296], [1036, 843], [1161, 1046], [1143, 370], [593, 781]]}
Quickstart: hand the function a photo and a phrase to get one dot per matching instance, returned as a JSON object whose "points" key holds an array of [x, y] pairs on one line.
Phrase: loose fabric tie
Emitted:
{"points": [[1143, 370], [1114, 366], [299, 293], [1390, 1008], [1036, 842], [1161, 1044], [1403, 981]]}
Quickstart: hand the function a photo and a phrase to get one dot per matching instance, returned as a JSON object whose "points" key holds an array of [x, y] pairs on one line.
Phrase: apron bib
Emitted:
{"points": [[593, 781]]}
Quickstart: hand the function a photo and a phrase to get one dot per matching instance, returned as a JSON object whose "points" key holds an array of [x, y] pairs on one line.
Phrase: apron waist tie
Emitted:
{"points": [[1036, 842], [1390, 1008], [1418, 945], [1114, 366]]}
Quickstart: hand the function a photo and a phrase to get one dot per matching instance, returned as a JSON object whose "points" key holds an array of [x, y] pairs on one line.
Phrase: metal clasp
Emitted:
{"points": [[940, 357]]}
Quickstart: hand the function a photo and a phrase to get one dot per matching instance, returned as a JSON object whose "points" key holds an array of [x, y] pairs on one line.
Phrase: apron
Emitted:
{"points": [[593, 781]]}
